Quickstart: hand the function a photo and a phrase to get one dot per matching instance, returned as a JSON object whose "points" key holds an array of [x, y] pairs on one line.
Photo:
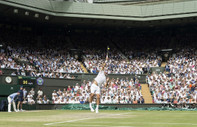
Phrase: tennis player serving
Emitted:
{"points": [[95, 87]]}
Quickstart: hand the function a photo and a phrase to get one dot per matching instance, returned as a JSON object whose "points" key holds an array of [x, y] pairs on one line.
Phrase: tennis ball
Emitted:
{"points": [[108, 48]]}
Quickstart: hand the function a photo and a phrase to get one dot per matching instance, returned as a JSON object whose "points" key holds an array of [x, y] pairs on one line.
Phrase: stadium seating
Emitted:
{"points": [[178, 85], [53, 59]]}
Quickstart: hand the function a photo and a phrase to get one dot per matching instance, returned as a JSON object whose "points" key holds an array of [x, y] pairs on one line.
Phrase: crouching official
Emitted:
{"points": [[11, 100]]}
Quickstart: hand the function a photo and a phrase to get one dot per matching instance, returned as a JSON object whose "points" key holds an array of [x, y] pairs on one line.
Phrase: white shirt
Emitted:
{"points": [[29, 98], [40, 93], [100, 78]]}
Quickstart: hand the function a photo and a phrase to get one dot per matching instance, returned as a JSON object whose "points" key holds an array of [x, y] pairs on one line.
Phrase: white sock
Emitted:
{"points": [[97, 107], [90, 105]]}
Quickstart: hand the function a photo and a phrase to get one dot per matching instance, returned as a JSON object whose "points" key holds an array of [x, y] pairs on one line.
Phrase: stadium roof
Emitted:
{"points": [[71, 12]]}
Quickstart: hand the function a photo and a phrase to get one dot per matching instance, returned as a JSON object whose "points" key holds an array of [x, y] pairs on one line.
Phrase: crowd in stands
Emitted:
{"points": [[29, 97], [126, 62], [117, 64], [34, 55], [43, 63], [54, 61], [57, 63], [119, 91], [179, 84]]}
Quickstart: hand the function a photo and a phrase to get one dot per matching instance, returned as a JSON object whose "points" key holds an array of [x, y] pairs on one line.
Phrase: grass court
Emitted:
{"points": [[105, 118]]}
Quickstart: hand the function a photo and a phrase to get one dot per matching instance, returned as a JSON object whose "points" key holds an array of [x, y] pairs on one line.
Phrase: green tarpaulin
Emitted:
{"points": [[101, 107]]}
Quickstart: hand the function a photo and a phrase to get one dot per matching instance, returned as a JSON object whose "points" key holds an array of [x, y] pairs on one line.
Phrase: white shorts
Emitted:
{"points": [[95, 89]]}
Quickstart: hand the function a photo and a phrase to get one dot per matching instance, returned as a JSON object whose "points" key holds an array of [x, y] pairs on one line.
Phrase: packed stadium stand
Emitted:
{"points": [[177, 84], [68, 53]]}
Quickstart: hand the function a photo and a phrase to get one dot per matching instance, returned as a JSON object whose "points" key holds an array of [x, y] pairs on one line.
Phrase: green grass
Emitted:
{"points": [[76, 118]]}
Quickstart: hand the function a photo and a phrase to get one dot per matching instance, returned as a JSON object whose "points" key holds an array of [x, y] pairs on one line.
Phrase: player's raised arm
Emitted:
{"points": [[103, 66]]}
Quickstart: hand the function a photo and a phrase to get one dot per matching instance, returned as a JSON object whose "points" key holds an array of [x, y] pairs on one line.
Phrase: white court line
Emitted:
{"points": [[68, 121], [97, 126], [142, 123], [83, 119], [160, 123], [176, 123], [193, 124]]}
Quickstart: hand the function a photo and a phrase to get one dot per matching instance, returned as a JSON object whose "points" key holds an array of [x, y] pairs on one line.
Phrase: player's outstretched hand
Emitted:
{"points": [[107, 79], [107, 57]]}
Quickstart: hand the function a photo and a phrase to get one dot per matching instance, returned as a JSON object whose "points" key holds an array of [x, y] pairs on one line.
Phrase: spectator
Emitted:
{"points": [[40, 93], [30, 99], [32, 92], [40, 101], [119, 91]]}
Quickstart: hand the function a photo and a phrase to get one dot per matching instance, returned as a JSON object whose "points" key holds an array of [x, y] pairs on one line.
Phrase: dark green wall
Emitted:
{"points": [[7, 89], [8, 71], [14, 80], [157, 69], [59, 106], [51, 84], [89, 76], [48, 86]]}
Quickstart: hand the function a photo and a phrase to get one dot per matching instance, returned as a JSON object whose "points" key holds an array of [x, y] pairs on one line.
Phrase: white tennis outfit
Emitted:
{"points": [[100, 79]]}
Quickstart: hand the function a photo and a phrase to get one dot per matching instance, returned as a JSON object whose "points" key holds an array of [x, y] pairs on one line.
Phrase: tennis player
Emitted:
{"points": [[95, 87]]}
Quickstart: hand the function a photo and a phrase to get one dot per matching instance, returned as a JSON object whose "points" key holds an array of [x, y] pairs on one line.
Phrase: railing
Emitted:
{"points": [[120, 1]]}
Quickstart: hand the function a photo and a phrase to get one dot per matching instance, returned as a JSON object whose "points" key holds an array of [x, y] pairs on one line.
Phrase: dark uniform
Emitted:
{"points": [[20, 97]]}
